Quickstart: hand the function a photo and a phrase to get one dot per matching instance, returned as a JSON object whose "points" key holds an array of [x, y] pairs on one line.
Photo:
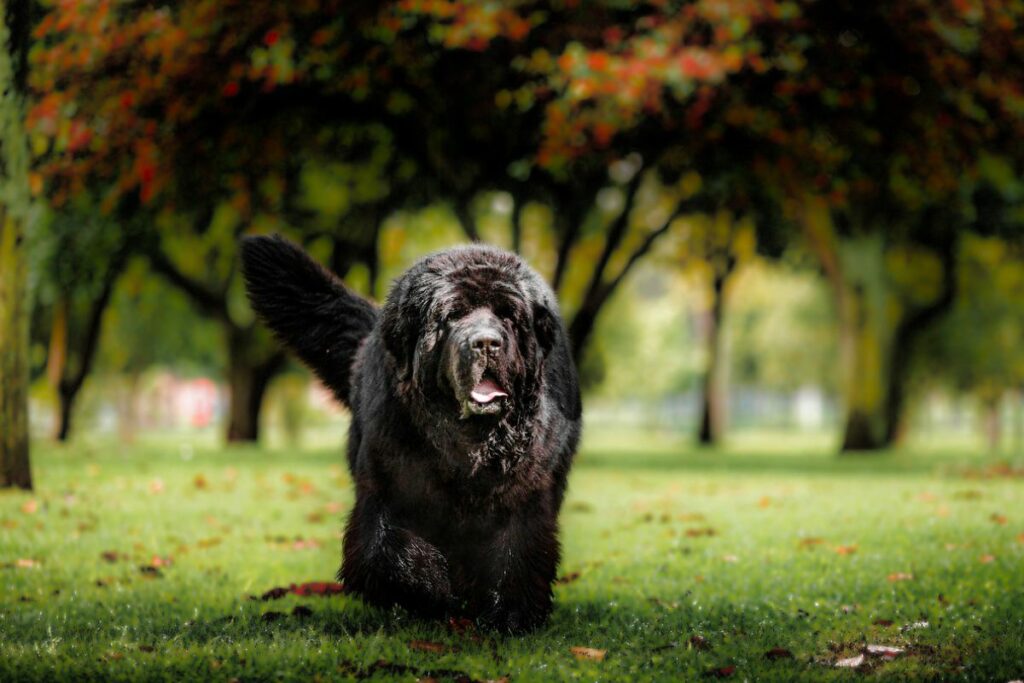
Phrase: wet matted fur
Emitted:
{"points": [[465, 418]]}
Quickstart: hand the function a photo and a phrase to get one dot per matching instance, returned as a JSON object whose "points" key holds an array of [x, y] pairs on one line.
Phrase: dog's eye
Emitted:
{"points": [[505, 312]]}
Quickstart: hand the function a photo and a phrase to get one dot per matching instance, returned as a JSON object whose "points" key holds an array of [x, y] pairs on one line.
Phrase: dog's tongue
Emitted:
{"points": [[486, 391]]}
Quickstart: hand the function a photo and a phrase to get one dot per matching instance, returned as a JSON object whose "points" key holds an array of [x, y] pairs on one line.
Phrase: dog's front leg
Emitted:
{"points": [[524, 558], [390, 565]]}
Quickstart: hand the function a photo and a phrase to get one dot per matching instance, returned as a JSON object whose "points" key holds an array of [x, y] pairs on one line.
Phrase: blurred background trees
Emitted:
{"points": [[852, 161]]}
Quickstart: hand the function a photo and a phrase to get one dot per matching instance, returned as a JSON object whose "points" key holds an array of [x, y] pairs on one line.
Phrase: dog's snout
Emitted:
{"points": [[485, 341]]}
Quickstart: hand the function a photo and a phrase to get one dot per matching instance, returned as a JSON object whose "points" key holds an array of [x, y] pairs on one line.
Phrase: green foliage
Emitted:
{"points": [[979, 348], [749, 551], [149, 323]]}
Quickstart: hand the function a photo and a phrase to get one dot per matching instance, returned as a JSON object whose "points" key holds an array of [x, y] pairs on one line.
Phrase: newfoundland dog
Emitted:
{"points": [[465, 418]]}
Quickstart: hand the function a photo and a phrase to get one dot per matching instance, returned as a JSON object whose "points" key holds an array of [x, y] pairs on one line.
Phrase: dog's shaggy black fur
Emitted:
{"points": [[465, 418]]}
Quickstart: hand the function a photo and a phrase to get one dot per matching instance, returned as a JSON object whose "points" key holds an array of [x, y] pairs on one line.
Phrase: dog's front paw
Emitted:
{"points": [[506, 616]]}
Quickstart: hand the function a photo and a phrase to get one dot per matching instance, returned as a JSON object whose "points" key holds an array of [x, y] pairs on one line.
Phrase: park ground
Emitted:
{"points": [[769, 560]]}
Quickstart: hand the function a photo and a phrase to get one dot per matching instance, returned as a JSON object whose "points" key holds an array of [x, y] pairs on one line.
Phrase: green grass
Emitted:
{"points": [[751, 549]]}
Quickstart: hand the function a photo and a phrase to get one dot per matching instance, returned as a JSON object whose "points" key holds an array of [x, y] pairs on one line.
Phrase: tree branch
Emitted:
{"points": [[210, 302]]}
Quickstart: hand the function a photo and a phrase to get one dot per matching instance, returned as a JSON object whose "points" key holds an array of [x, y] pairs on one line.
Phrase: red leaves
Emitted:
{"points": [[230, 89], [271, 37], [721, 672], [323, 588]]}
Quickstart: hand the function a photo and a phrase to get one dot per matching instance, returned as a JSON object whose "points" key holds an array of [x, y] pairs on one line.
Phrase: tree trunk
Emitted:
{"points": [[712, 392], [127, 409], [14, 343], [15, 217], [248, 379], [65, 404], [993, 422]]}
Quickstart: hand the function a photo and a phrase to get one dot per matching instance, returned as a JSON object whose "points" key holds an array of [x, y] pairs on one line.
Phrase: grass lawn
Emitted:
{"points": [[139, 562]]}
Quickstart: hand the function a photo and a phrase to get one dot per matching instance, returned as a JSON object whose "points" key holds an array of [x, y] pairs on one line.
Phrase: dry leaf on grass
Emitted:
{"points": [[900, 576], [850, 662], [698, 642], [588, 653], [884, 651], [430, 646]]}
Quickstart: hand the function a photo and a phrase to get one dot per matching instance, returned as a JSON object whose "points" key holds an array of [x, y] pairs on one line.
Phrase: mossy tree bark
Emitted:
{"points": [[15, 227]]}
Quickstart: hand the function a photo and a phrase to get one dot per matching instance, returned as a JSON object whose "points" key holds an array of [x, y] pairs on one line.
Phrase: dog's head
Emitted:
{"points": [[467, 331]]}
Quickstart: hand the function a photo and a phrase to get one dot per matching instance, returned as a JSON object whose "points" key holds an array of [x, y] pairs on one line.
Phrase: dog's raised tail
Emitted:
{"points": [[308, 307]]}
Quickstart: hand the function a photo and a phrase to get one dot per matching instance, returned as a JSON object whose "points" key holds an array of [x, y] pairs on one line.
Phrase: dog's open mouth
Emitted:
{"points": [[485, 398]]}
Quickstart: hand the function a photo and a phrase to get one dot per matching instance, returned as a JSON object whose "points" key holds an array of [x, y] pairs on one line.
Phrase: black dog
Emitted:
{"points": [[465, 418]]}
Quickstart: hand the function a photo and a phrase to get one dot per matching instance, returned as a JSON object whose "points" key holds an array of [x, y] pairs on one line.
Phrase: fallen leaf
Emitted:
{"points": [[850, 662], [150, 572], [460, 625], [30, 507], [777, 653], [110, 555], [721, 672], [274, 594], [26, 563], [318, 588], [998, 518], [567, 578], [883, 622], [900, 576], [884, 651], [430, 646], [588, 653], [914, 626], [697, 532], [200, 482], [699, 642], [810, 542], [987, 559], [845, 549]]}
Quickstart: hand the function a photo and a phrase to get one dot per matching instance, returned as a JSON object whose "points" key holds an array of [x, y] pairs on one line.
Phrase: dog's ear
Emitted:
{"points": [[545, 326], [307, 307], [397, 330]]}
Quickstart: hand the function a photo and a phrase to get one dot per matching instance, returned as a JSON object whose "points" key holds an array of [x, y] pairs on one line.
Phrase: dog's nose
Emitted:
{"points": [[485, 341]]}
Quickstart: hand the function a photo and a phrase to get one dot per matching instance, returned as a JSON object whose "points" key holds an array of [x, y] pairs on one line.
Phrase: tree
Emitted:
{"points": [[83, 256], [202, 136], [16, 227], [864, 121]]}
